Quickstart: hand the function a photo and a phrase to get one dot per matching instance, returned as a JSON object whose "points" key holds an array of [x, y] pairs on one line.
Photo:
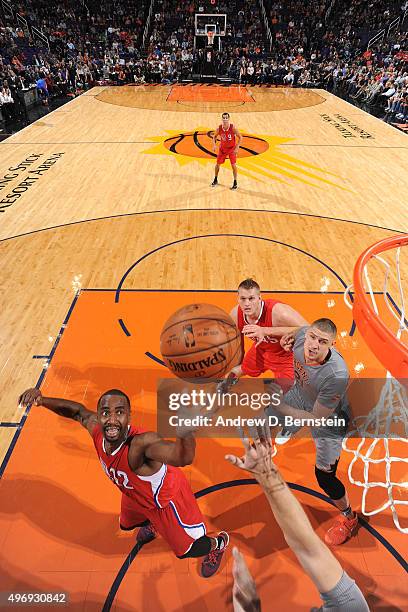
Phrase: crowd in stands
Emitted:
{"points": [[379, 79], [324, 44], [318, 43]]}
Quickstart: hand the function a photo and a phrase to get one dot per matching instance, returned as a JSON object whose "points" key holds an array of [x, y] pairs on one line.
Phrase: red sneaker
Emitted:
{"points": [[146, 534], [342, 529], [211, 562]]}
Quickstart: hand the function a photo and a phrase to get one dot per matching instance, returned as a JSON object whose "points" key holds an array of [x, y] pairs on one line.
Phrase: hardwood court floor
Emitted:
{"points": [[236, 98], [111, 188]]}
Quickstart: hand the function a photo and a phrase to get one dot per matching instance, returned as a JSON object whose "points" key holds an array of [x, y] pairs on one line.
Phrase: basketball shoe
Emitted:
{"points": [[211, 562], [215, 182], [341, 530], [146, 534], [234, 185]]}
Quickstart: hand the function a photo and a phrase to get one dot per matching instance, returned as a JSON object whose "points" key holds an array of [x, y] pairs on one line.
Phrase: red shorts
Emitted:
{"points": [[224, 153], [180, 523], [258, 361]]}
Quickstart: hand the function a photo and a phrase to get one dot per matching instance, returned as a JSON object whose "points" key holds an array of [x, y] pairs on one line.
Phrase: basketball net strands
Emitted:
{"points": [[390, 414]]}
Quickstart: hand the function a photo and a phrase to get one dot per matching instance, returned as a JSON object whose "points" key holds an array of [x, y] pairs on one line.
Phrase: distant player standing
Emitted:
{"points": [[230, 141]]}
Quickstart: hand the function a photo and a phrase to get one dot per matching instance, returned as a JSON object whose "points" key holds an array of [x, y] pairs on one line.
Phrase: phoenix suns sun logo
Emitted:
{"points": [[259, 157], [199, 144]]}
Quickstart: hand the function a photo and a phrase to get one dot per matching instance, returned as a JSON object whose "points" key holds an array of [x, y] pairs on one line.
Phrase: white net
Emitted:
{"points": [[384, 431]]}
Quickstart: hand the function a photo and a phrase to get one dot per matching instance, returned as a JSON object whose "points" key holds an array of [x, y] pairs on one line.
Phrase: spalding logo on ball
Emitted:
{"points": [[200, 341]]}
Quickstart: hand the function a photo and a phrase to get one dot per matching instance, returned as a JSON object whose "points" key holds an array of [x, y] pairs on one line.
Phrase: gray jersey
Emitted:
{"points": [[344, 597], [327, 383]]}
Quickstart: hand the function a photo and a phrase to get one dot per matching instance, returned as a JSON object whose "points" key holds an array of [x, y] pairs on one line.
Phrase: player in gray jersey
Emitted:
{"points": [[318, 399], [338, 591]]}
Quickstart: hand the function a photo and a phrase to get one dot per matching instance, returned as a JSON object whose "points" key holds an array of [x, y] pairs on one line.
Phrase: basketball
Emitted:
{"points": [[199, 144], [201, 342]]}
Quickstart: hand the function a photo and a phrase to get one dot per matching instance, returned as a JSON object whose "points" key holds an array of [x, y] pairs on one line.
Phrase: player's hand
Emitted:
{"points": [[287, 341], [258, 456], [214, 147], [236, 150], [255, 332], [31, 396], [244, 595], [190, 413]]}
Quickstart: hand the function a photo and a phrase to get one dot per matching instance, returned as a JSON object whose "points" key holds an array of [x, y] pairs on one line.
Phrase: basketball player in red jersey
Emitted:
{"points": [[156, 495], [265, 322], [230, 141]]}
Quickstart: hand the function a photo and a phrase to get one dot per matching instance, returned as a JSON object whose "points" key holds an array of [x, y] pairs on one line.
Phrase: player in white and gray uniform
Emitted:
{"points": [[319, 394], [326, 383], [338, 591], [344, 597]]}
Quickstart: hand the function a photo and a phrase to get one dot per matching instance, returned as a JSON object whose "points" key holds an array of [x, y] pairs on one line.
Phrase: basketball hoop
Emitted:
{"points": [[391, 410], [387, 346], [210, 38]]}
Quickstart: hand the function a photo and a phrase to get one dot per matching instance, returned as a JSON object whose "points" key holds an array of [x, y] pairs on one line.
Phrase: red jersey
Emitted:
{"points": [[149, 492], [264, 320], [227, 137]]}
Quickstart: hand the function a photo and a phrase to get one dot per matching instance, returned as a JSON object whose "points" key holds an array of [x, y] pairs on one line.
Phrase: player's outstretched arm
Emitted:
{"points": [[285, 327], [179, 453], [284, 315], [286, 323], [62, 407], [316, 559], [244, 595]]}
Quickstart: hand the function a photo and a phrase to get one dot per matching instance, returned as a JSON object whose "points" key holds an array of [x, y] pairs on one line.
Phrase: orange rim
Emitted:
{"points": [[392, 353]]}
